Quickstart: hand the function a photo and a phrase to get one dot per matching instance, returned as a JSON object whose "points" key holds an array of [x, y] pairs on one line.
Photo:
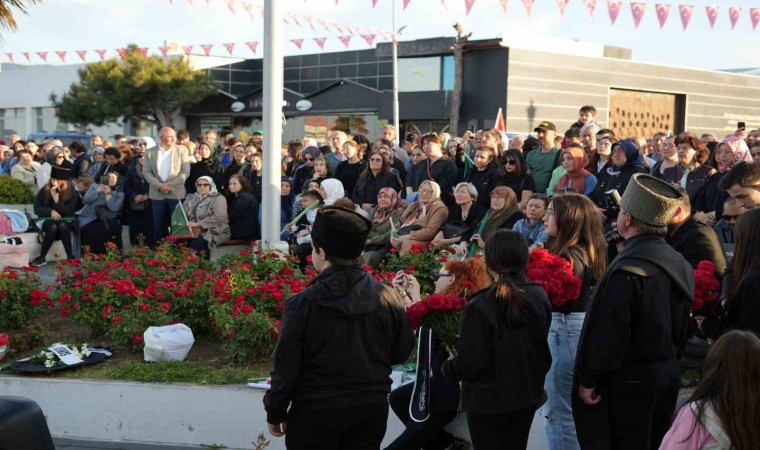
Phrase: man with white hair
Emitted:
{"points": [[588, 138], [310, 142], [389, 132], [337, 139]]}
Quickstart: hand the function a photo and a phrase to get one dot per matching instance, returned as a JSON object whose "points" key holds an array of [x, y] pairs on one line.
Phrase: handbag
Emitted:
{"points": [[138, 206], [454, 229], [403, 231]]}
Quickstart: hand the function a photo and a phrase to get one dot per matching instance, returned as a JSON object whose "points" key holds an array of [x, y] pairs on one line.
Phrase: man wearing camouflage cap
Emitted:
{"points": [[626, 374]]}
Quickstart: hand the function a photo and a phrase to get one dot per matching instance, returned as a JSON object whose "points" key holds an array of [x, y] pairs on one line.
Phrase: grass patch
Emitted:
{"points": [[691, 378], [183, 372]]}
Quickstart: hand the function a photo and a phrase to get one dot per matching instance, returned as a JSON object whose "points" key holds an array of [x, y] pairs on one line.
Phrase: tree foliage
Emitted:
{"points": [[137, 88], [7, 20]]}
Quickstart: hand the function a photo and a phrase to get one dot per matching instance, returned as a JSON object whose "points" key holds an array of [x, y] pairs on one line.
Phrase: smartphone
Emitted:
{"points": [[471, 128], [742, 126], [104, 179]]}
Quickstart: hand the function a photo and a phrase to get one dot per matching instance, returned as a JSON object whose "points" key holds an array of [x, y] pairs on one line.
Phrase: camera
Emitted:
{"points": [[613, 203], [613, 237]]}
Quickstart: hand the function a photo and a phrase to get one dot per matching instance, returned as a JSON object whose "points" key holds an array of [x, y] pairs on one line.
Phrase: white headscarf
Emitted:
{"points": [[334, 189], [210, 181], [148, 140]]}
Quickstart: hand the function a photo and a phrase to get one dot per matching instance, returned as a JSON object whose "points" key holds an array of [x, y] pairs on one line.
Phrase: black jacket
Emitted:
{"points": [[607, 182], [502, 368], [443, 172], [484, 181], [712, 197], [243, 215], [338, 340], [210, 167], [368, 185], [639, 315], [698, 242], [44, 207], [743, 308], [348, 174]]}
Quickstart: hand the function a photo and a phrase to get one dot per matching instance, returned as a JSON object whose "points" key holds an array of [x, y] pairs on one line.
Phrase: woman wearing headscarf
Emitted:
{"points": [[207, 209], [516, 177], [625, 161], [99, 219], [331, 190], [576, 177], [207, 166], [730, 152], [306, 170], [503, 214], [286, 204], [389, 207], [422, 219]]}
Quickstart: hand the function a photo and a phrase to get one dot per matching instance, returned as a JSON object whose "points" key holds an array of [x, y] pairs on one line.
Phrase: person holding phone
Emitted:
{"points": [[99, 221], [56, 205]]}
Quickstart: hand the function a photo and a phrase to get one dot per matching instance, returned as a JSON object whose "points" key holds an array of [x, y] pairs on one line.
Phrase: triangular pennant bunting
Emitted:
{"points": [[504, 4], [663, 10], [229, 47], [122, 53], [82, 54], [26, 55], [231, 5], [187, 49], [637, 11], [310, 20], [252, 46], [733, 13], [370, 38], [590, 6], [345, 40], [62, 55], [320, 42], [101, 54], [42, 55], [294, 19], [528, 5], [406, 3], [613, 8], [164, 51], [207, 48], [10, 57], [712, 14], [561, 4], [686, 12], [297, 42], [323, 24], [754, 15], [143, 51], [248, 7], [337, 27], [374, 3], [468, 6]]}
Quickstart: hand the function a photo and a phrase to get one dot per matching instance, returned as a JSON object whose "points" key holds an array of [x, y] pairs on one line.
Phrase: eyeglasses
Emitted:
{"points": [[376, 160], [510, 162], [58, 156], [202, 185], [549, 212], [441, 275], [308, 159]]}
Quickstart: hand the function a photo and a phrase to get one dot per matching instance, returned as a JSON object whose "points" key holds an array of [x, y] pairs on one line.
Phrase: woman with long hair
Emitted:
{"points": [[516, 176], [349, 171], [460, 279], [503, 214], [292, 157], [722, 412], [422, 219], [206, 165], [502, 356], [376, 177], [389, 207], [242, 210], [575, 232], [57, 203], [692, 172], [742, 306]]}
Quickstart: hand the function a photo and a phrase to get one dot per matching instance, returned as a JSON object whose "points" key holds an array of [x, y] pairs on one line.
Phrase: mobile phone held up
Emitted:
{"points": [[104, 179], [741, 126]]}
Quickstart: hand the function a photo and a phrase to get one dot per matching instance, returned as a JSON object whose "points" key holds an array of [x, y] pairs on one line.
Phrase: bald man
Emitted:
{"points": [[166, 167]]}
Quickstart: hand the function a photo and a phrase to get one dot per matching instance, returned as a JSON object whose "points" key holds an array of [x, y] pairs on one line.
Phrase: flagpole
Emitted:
{"points": [[187, 221], [272, 115], [395, 74]]}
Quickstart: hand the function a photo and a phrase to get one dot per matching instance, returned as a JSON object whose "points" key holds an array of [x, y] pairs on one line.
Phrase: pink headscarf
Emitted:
{"points": [[740, 149]]}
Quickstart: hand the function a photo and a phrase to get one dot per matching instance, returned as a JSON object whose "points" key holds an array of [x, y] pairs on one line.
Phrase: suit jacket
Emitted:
{"points": [[179, 172]]}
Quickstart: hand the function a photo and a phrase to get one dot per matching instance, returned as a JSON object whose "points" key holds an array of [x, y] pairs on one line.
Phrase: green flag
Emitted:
{"points": [[179, 222]]}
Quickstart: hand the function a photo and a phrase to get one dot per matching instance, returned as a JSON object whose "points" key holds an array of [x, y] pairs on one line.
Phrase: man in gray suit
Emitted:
{"points": [[166, 168]]}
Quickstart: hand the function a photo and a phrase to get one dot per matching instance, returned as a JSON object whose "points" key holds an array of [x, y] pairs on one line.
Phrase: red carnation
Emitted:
{"points": [[442, 313], [137, 339], [706, 285], [555, 274]]}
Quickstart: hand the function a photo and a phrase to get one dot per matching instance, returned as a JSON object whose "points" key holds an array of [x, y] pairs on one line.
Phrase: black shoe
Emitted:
{"points": [[39, 262]]}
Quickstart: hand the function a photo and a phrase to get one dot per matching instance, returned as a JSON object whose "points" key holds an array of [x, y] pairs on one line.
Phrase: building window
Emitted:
{"points": [[12, 121], [447, 73], [46, 121], [419, 74]]}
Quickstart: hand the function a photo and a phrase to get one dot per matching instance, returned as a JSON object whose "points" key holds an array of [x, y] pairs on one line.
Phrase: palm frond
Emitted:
{"points": [[7, 8]]}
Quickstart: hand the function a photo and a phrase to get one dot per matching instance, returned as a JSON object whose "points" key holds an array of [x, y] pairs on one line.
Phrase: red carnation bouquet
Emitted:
{"points": [[706, 285], [442, 313], [555, 274]]}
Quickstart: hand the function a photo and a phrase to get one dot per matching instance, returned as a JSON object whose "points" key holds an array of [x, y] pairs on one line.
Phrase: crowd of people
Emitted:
{"points": [[633, 215]]}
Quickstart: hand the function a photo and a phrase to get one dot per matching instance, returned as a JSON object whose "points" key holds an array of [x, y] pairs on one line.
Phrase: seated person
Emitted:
{"points": [[389, 208], [463, 216], [206, 210], [57, 204], [244, 225], [504, 213], [532, 226], [302, 231], [422, 219], [99, 219]]}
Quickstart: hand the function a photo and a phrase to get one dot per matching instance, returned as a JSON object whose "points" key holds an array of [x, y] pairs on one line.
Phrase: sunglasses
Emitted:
{"points": [[308, 159], [510, 162], [441, 275], [202, 185]]}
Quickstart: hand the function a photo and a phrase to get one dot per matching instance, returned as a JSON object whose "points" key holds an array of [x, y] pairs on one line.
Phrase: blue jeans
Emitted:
{"points": [[162, 217], [564, 334]]}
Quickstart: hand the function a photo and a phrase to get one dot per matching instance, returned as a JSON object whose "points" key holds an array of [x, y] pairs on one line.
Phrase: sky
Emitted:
{"points": [[70, 25]]}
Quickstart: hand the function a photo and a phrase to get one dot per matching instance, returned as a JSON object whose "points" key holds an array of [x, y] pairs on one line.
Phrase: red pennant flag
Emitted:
{"points": [[231, 6], [42, 55], [663, 10], [143, 51], [82, 54], [374, 3], [323, 23], [468, 6], [297, 42], [122, 53], [733, 13], [310, 21], [613, 7], [712, 14], [590, 6], [499, 124], [252, 46], [503, 5], [754, 15], [337, 27], [561, 4], [207, 48], [406, 3], [345, 40], [102, 54], [10, 57], [26, 55], [229, 47], [191, 2], [528, 5], [686, 11], [637, 10], [164, 51], [294, 18], [187, 49], [370, 38], [62, 55], [320, 42], [248, 7]]}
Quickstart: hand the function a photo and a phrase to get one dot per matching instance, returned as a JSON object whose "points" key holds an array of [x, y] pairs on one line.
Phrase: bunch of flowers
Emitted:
{"points": [[555, 274], [422, 261], [442, 313], [49, 359], [706, 285], [20, 297]]}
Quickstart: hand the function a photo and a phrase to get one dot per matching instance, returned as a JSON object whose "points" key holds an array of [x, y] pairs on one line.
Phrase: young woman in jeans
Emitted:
{"points": [[575, 233]]}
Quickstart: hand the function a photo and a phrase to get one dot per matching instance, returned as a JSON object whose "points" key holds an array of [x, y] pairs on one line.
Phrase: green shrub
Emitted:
{"points": [[14, 192]]}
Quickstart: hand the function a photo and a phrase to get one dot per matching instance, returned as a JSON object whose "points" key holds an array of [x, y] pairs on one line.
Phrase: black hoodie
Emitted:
{"points": [[338, 340], [639, 315]]}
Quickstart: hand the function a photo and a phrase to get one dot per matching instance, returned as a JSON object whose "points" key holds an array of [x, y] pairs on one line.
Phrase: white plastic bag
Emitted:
{"points": [[169, 343]]}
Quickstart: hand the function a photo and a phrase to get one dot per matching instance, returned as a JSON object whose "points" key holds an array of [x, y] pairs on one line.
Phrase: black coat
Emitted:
{"points": [[695, 180], [607, 182], [698, 242], [443, 172], [349, 174], [712, 197], [243, 215], [484, 181], [338, 340], [502, 368], [474, 217], [369, 185], [44, 207], [743, 307], [206, 168]]}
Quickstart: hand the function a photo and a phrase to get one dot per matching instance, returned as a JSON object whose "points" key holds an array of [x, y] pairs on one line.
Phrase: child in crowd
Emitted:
{"points": [[586, 115]]}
